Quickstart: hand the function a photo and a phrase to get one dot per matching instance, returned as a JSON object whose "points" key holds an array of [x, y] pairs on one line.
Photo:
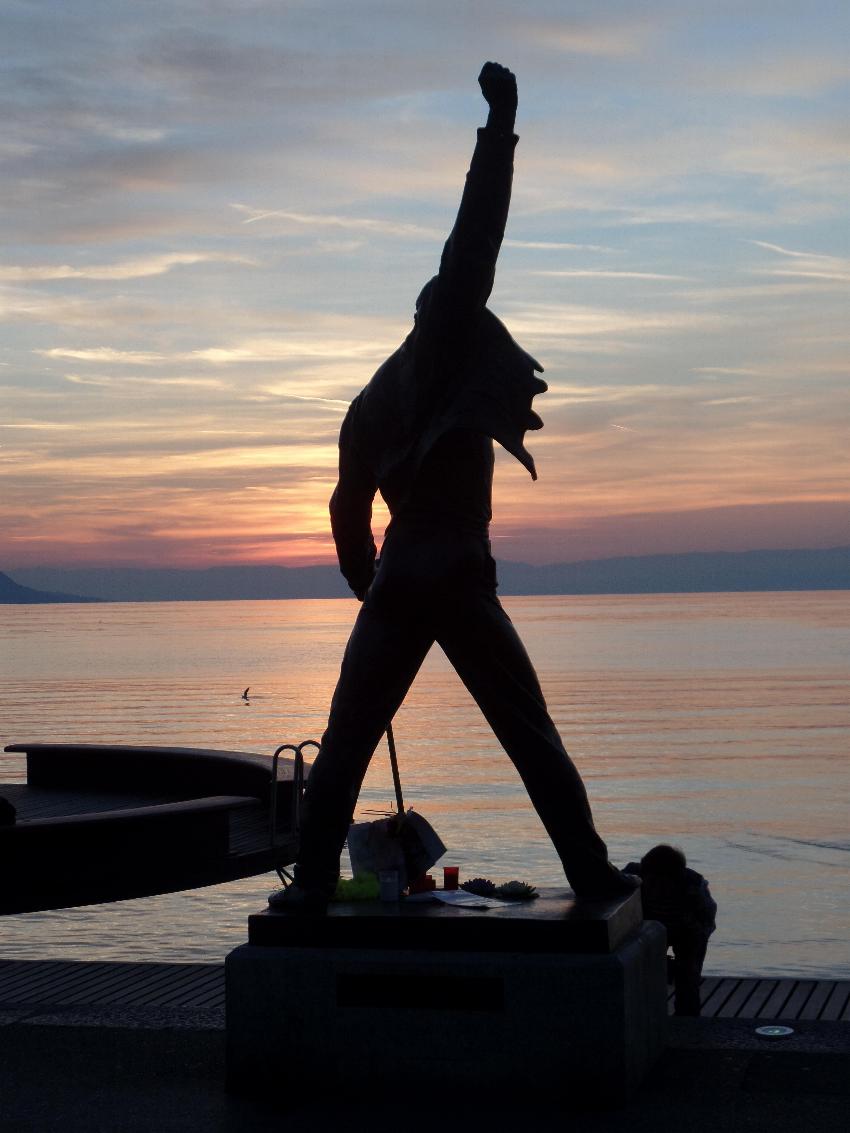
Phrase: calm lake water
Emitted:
{"points": [[719, 722]]}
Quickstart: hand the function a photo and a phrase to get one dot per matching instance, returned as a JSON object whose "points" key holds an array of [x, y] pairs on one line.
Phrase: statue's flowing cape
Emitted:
{"points": [[412, 401]]}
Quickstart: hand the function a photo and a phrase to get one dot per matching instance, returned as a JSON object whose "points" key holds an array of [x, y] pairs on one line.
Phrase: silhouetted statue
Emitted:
{"points": [[422, 433]]}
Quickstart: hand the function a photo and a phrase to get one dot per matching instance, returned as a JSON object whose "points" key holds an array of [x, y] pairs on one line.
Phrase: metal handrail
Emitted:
{"points": [[298, 784], [273, 798], [297, 794]]}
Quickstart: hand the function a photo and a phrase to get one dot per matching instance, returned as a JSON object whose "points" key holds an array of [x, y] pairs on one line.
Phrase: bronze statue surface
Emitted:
{"points": [[422, 434]]}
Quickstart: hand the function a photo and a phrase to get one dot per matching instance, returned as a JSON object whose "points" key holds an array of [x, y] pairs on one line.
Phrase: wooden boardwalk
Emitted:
{"points": [[728, 997], [39, 985]]}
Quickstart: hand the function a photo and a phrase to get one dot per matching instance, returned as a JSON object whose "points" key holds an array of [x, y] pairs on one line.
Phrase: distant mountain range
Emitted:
{"points": [[697, 572], [11, 592]]}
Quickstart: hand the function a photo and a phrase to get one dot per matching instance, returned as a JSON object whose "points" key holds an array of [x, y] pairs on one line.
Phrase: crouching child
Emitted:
{"points": [[680, 899]]}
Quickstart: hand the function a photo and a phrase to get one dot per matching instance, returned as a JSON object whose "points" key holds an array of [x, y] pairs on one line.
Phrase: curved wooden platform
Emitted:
{"points": [[98, 822]]}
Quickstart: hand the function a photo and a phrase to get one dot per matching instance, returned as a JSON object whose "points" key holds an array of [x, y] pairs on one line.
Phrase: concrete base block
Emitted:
{"points": [[581, 1026]]}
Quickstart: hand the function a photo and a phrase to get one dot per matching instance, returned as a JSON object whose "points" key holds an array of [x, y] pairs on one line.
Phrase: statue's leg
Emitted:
{"points": [[383, 655], [479, 639]]}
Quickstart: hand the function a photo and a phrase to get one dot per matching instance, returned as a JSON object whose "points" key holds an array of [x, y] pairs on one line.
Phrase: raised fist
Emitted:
{"points": [[498, 85]]}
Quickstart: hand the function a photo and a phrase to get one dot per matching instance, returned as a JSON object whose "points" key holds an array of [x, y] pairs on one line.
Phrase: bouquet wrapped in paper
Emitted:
{"points": [[407, 843]]}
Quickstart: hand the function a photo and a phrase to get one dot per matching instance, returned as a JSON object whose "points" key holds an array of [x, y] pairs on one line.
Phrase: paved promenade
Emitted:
{"points": [[160, 1066]]}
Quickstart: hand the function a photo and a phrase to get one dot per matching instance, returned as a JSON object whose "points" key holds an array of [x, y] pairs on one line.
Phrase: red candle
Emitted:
{"points": [[450, 876]]}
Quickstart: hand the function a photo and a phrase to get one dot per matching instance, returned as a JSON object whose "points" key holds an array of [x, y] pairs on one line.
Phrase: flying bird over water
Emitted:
{"points": [[245, 693]]}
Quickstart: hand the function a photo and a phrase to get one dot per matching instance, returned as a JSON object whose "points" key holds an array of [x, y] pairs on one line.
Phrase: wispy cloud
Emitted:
{"points": [[255, 350], [325, 220], [283, 350], [555, 246], [335, 401], [743, 400], [598, 39], [129, 269], [153, 383], [591, 273], [807, 265], [554, 320], [104, 354], [790, 251], [730, 371]]}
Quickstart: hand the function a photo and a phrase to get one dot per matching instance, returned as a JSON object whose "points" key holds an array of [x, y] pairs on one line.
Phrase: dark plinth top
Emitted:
{"points": [[555, 922]]}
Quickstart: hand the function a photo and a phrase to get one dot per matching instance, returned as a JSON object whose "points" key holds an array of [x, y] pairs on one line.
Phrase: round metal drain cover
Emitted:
{"points": [[774, 1032]]}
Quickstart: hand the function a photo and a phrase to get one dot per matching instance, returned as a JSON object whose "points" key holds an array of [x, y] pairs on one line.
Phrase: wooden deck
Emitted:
{"points": [[47, 985], [725, 997], [44, 802], [36, 986], [248, 824], [102, 846], [248, 828], [99, 822]]}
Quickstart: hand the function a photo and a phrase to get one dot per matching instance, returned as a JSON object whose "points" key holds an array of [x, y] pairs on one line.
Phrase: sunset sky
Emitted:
{"points": [[216, 217]]}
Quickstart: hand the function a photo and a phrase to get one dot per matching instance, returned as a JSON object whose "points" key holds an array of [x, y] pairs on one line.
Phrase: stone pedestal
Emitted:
{"points": [[563, 997]]}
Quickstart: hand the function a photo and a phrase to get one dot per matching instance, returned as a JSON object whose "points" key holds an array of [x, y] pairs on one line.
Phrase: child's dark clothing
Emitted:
{"points": [[687, 910]]}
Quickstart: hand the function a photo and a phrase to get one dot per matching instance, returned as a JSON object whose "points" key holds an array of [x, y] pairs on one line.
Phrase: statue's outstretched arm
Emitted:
{"points": [[468, 265]]}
